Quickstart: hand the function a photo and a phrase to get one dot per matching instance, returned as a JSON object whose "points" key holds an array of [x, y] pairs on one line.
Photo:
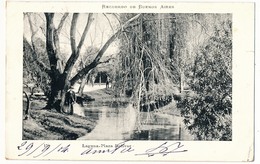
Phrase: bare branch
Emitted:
{"points": [[92, 65], [33, 31], [202, 26], [106, 61], [102, 38], [113, 37], [76, 51], [58, 30], [116, 16], [90, 19], [109, 22], [73, 33]]}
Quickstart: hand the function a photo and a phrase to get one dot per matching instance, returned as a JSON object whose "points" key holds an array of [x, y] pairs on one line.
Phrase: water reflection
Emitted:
{"points": [[122, 124], [112, 123], [157, 134]]}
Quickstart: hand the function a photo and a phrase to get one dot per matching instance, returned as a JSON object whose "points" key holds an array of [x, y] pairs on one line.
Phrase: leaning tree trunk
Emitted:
{"points": [[82, 85]]}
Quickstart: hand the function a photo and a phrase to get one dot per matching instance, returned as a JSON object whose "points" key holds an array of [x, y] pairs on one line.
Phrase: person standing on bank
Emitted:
{"points": [[93, 80], [70, 99], [107, 82]]}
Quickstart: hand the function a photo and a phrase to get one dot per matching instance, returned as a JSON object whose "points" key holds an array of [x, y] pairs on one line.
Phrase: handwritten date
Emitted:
{"points": [[37, 150]]}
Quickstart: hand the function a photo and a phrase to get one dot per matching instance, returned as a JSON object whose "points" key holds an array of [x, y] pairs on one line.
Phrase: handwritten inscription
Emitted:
{"points": [[37, 150], [164, 149], [119, 148]]}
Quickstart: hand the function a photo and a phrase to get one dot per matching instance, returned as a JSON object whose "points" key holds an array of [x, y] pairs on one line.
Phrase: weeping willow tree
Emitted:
{"points": [[144, 73], [160, 54], [153, 57]]}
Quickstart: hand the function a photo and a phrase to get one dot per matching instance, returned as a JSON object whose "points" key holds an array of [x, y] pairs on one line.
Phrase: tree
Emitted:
{"points": [[144, 72], [33, 75], [208, 114], [60, 78]]}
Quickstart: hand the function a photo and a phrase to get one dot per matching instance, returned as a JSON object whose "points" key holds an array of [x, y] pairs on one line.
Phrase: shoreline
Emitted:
{"points": [[44, 124]]}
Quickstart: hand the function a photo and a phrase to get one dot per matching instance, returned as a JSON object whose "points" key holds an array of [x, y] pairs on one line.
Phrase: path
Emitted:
{"points": [[89, 88]]}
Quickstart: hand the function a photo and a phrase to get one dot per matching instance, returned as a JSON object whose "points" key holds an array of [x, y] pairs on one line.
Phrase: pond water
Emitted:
{"points": [[123, 123]]}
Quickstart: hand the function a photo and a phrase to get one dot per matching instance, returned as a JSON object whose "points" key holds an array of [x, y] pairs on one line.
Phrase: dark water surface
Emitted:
{"points": [[122, 123]]}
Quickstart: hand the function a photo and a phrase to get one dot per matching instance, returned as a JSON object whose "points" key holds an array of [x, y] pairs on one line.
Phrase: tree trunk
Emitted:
{"points": [[51, 51], [99, 79], [82, 85], [60, 81], [64, 90], [181, 81], [74, 56], [54, 97], [26, 112]]}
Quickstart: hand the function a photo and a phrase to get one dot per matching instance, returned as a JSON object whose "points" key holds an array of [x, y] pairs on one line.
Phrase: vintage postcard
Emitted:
{"points": [[130, 81]]}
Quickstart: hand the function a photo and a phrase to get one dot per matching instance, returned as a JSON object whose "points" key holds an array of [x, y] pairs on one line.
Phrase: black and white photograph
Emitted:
{"points": [[127, 76], [130, 81]]}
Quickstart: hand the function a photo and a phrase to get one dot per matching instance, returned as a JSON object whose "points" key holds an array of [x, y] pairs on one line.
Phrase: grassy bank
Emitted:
{"points": [[50, 125], [106, 97]]}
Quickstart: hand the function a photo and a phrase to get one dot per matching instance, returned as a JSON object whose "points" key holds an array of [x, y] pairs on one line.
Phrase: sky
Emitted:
{"points": [[100, 30]]}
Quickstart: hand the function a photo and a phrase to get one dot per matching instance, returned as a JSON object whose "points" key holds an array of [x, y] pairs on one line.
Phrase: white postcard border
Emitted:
{"points": [[241, 148]]}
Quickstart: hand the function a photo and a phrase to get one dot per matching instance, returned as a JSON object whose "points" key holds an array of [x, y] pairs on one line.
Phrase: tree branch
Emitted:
{"points": [[115, 15], [90, 19], [58, 30], [109, 22], [113, 37], [73, 34], [51, 50], [202, 26], [106, 61], [76, 51], [33, 31], [92, 65], [59, 65]]}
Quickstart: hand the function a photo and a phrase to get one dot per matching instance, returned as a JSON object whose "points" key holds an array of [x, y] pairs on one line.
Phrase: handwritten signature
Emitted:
{"points": [[164, 149], [119, 148]]}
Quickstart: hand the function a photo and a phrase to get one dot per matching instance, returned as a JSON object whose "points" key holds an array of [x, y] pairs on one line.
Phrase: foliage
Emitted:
{"points": [[32, 72], [208, 113]]}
